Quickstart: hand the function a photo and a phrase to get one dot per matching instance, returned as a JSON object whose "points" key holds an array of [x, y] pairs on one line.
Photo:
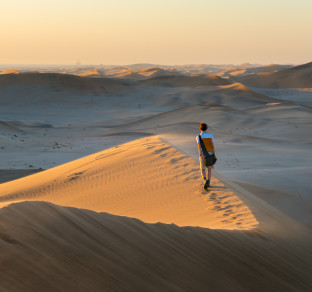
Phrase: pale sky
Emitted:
{"points": [[155, 31]]}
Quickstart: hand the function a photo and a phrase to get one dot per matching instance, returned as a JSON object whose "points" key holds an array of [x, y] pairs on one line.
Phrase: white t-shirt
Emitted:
{"points": [[204, 134]]}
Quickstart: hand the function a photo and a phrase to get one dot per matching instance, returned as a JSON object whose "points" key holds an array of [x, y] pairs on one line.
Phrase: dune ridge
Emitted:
{"points": [[13, 71], [145, 179]]}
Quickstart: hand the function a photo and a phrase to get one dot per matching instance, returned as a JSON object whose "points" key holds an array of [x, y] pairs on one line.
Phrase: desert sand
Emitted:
{"points": [[144, 179], [294, 77], [101, 189]]}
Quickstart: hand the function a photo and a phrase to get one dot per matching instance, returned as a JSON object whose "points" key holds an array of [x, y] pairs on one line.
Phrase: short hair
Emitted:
{"points": [[203, 126]]}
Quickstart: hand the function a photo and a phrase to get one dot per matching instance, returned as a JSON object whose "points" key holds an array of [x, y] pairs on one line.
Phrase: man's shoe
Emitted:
{"points": [[206, 185]]}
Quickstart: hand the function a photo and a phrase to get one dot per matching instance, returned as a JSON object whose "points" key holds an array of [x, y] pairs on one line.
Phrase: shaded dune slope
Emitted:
{"points": [[255, 70], [295, 77], [67, 82], [10, 126], [181, 80], [264, 117], [52, 248], [145, 179], [223, 107], [234, 95]]}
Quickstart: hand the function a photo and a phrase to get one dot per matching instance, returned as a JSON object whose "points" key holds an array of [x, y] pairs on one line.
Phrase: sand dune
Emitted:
{"points": [[145, 70], [131, 72], [295, 77], [90, 73], [254, 70], [181, 80], [234, 95], [145, 179], [229, 102], [9, 126], [284, 111], [65, 82], [10, 72], [73, 249], [52, 248], [156, 72], [129, 75]]}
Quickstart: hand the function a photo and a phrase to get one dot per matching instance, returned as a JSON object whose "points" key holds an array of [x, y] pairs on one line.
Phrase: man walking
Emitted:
{"points": [[208, 140]]}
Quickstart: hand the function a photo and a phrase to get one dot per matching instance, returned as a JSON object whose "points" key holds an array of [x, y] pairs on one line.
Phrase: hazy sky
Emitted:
{"points": [[155, 31]]}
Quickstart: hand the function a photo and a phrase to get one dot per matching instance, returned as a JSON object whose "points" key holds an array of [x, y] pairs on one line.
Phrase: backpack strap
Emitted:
{"points": [[203, 147]]}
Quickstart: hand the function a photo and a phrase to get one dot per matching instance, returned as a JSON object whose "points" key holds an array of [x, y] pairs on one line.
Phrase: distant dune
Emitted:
{"points": [[10, 126], [254, 70], [224, 108], [66, 82], [90, 73], [10, 72], [234, 95], [182, 80], [129, 75], [139, 73], [294, 77], [143, 71], [156, 72]]}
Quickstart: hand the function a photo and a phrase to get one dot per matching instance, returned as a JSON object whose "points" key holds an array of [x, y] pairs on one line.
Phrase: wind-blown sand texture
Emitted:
{"points": [[54, 248], [145, 179], [118, 203]]}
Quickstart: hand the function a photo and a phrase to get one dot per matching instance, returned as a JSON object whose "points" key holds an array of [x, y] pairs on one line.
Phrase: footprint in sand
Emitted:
{"points": [[213, 195], [74, 176], [158, 151]]}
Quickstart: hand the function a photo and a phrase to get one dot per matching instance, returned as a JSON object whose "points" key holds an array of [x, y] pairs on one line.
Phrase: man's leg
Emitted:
{"points": [[202, 167], [209, 173], [203, 173], [204, 170]]}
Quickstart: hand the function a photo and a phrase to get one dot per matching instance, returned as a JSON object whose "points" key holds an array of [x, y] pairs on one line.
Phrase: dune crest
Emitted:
{"points": [[10, 72], [145, 179], [90, 73]]}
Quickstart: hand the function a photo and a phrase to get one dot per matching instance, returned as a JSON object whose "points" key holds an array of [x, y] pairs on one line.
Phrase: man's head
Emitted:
{"points": [[203, 126]]}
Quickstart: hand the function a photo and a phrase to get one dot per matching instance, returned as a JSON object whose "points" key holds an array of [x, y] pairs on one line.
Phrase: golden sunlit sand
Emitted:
{"points": [[144, 179]]}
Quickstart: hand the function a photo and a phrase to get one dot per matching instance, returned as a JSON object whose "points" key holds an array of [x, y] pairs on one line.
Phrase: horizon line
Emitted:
{"points": [[129, 64]]}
